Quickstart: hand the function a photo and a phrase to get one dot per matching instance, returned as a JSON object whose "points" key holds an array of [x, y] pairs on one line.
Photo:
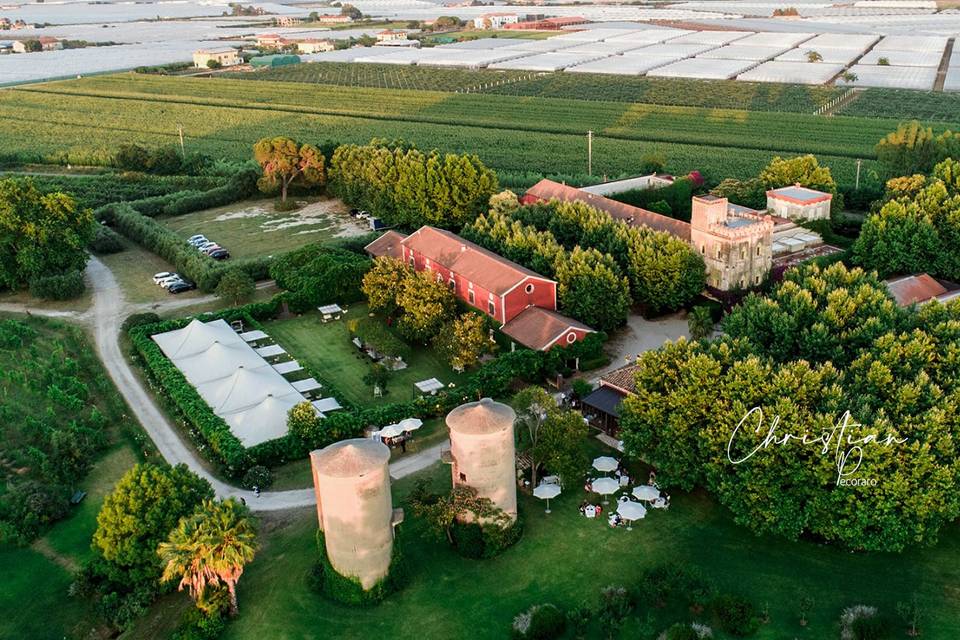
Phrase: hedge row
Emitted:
{"points": [[59, 286], [240, 185]]}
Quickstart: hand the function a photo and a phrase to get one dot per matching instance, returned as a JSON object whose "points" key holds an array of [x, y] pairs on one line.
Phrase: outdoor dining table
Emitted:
{"points": [[270, 351], [303, 386], [253, 336], [429, 386], [288, 367]]}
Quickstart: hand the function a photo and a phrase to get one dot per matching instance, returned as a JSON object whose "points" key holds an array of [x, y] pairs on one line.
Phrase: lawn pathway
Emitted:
{"points": [[106, 315]]}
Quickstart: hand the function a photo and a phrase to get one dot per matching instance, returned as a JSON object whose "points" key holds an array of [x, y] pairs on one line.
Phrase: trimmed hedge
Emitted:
{"points": [[105, 241], [347, 590], [59, 286]]}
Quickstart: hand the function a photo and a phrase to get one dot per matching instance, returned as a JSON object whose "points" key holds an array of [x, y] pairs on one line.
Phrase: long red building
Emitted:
{"points": [[521, 300]]}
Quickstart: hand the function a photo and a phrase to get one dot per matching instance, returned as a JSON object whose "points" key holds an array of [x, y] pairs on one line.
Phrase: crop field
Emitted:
{"points": [[509, 133], [725, 94], [383, 76], [905, 104]]}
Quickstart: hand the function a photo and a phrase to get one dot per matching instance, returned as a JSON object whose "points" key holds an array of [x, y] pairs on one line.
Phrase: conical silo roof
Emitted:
{"points": [[482, 417], [350, 458]]}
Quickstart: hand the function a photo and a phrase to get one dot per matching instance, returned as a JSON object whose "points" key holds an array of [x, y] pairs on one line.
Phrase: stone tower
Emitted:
{"points": [[351, 479], [482, 451]]}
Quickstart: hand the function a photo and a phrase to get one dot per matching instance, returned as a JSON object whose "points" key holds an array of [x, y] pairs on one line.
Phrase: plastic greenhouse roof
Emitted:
{"points": [[622, 65], [737, 52], [702, 68], [792, 72], [860, 42], [900, 58], [912, 43], [547, 61], [894, 77], [711, 37], [835, 56], [774, 39]]}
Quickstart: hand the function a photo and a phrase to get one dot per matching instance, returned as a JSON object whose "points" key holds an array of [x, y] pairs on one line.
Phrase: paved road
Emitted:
{"points": [[105, 316]]}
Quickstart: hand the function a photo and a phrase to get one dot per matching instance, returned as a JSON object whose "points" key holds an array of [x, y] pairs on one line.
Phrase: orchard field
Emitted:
{"points": [[513, 134]]}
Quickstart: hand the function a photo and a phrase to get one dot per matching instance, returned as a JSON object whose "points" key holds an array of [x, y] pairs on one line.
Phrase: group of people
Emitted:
{"points": [[397, 441], [590, 510]]}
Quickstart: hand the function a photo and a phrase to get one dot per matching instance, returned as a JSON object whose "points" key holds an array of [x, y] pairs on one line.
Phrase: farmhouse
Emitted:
{"points": [[393, 38], [46, 44], [314, 45], [799, 203], [224, 57], [270, 41], [495, 20], [333, 18], [522, 301]]}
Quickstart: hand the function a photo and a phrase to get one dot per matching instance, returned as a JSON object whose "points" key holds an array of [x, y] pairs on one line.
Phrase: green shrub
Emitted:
{"points": [[139, 319], [257, 476], [680, 631], [374, 333], [347, 590], [737, 615], [63, 286], [540, 622], [106, 241], [317, 275], [282, 206]]}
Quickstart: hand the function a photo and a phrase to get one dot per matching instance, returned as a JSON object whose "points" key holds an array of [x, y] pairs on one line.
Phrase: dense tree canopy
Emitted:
{"points": [[917, 228], [422, 304], [913, 148], [140, 512], [410, 188], [830, 357], [317, 274], [287, 163], [40, 235], [781, 172]]}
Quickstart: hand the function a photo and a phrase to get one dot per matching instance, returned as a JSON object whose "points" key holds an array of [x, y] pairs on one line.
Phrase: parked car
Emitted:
{"points": [[219, 254], [206, 245], [210, 250], [197, 239], [157, 277], [166, 282], [181, 286]]}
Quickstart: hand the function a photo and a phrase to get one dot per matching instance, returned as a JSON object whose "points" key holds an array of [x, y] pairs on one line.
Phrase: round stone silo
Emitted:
{"points": [[482, 451], [351, 479]]}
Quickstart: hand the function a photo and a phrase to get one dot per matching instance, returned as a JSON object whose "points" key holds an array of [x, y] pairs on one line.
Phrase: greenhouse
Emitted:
{"points": [[711, 37], [622, 65], [542, 46], [703, 68], [901, 58], [774, 39], [894, 77], [912, 43], [473, 59], [605, 48], [828, 55], [669, 49], [393, 56], [547, 61], [595, 35], [649, 36], [792, 72], [841, 41], [738, 52]]}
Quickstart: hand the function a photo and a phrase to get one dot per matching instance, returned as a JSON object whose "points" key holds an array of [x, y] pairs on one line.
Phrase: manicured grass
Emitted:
{"points": [[565, 559], [326, 348], [36, 580], [134, 268], [253, 228]]}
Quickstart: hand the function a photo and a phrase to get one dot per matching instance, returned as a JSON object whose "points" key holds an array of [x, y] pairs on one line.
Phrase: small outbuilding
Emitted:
{"points": [[799, 203], [275, 60]]}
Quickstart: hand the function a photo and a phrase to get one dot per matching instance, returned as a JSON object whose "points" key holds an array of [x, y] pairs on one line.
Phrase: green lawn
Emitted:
{"points": [[252, 228], [326, 349], [565, 558], [36, 579]]}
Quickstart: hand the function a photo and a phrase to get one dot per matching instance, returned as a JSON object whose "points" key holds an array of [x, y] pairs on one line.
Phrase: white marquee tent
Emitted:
{"points": [[237, 383]]}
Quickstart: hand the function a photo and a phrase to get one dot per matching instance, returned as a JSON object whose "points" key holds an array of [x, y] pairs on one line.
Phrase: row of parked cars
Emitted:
{"points": [[212, 249], [173, 282]]}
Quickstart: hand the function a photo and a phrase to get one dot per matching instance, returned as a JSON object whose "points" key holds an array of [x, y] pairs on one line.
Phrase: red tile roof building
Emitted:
{"points": [[521, 300], [920, 288]]}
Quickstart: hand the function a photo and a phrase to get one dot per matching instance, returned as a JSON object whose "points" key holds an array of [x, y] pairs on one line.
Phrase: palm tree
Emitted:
{"points": [[208, 550]]}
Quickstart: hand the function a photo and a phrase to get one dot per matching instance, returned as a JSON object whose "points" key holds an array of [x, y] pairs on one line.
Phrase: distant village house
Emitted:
{"points": [[314, 45], [495, 20], [223, 57], [46, 43]]}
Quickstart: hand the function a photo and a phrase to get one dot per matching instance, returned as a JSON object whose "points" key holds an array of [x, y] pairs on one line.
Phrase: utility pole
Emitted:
{"points": [[858, 174], [183, 152], [589, 153]]}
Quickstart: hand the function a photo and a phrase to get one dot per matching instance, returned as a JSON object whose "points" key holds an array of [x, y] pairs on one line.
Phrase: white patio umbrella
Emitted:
{"points": [[547, 491], [391, 431], [646, 492], [410, 424], [631, 511], [605, 486], [605, 464]]}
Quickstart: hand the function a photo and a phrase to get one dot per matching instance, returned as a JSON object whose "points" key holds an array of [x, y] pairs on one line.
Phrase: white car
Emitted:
{"points": [[197, 239], [157, 277], [169, 280]]}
